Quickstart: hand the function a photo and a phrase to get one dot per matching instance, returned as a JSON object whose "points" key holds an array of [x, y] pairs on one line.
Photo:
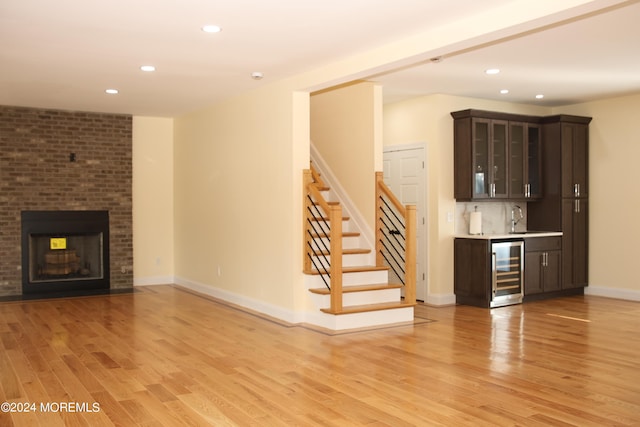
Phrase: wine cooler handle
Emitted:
{"points": [[494, 272]]}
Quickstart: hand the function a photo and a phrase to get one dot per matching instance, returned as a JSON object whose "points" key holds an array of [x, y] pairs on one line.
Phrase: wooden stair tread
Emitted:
{"points": [[333, 203], [358, 288], [369, 307], [344, 234], [357, 269], [354, 251], [344, 218]]}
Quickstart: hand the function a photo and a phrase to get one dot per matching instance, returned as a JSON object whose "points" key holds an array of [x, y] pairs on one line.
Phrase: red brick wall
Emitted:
{"points": [[36, 174]]}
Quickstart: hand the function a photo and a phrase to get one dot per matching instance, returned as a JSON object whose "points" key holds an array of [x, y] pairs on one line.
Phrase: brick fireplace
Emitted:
{"points": [[53, 160]]}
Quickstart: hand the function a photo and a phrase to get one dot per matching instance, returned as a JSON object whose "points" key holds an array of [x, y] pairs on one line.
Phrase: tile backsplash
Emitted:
{"points": [[496, 216]]}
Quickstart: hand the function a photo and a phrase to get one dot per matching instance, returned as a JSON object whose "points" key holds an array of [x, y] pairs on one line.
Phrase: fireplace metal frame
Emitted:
{"points": [[64, 223]]}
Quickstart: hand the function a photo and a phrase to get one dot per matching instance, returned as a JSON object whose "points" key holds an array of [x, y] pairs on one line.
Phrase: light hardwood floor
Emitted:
{"points": [[164, 356]]}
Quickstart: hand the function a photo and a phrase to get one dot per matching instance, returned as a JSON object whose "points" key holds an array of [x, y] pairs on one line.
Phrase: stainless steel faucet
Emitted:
{"points": [[516, 216]]}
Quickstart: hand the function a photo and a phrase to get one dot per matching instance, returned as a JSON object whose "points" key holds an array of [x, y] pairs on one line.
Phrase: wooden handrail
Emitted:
{"points": [[382, 188], [409, 215], [316, 177]]}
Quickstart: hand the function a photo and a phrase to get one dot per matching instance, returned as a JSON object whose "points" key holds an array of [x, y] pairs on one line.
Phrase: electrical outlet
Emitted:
{"points": [[449, 216]]}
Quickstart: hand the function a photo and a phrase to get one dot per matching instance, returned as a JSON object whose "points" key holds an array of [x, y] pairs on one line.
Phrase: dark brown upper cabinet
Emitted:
{"points": [[496, 156]]}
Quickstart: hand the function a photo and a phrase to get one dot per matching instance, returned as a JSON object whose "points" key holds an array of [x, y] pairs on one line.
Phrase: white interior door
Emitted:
{"points": [[404, 174]]}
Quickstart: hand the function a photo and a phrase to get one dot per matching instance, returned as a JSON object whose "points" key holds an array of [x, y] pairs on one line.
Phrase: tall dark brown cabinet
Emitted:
{"points": [[565, 205]]}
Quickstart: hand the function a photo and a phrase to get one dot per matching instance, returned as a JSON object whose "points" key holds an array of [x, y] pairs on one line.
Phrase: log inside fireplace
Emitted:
{"points": [[65, 252]]}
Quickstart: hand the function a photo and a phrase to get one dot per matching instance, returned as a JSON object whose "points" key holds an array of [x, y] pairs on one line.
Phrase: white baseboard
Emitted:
{"points": [[316, 318], [440, 299], [243, 301], [618, 293], [154, 280]]}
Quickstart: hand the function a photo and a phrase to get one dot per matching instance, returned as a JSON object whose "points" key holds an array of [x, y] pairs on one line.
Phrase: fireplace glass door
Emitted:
{"points": [[67, 257], [65, 251]]}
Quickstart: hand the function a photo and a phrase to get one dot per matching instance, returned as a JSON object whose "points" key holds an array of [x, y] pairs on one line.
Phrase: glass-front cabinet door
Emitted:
{"points": [[481, 137], [524, 161], [490, 159], [534, 163], [500, 160], [517, 185]]}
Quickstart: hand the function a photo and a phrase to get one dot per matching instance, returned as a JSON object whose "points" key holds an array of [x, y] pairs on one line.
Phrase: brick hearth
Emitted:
{"points": [[62, 160]]}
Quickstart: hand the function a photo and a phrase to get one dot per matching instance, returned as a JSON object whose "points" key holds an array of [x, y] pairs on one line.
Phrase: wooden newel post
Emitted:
{"points": [[307, 179], [378, 230], [335, 222], [410, 255]]}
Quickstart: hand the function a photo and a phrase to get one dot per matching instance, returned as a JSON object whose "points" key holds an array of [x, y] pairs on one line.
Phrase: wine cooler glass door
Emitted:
{"points": [[508, 272]]}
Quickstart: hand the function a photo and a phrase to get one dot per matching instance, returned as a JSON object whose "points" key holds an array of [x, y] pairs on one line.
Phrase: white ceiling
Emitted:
{"points": [[65, 53], [582, 60]]}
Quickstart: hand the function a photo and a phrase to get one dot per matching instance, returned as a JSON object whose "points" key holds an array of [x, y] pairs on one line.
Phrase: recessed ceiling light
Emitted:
{"points": [[112, 91], [539, 96], [148, 68], [211, 29], [492, 71], [504, 91]]}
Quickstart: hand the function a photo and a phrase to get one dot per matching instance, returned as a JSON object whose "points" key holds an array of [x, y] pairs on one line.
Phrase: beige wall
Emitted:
{"points": [[152, 200], [238, 199], [614, 229], [343, 130]]}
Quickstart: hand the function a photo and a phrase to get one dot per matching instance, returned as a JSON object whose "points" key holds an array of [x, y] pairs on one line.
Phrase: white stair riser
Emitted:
{"points": [[349, 242], [360, 278], [322, 226], [360, 298], [363, 320], [348, 260]]}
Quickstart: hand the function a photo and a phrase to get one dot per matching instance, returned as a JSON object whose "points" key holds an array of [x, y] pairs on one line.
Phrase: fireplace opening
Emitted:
{"points": [[65, 251]]}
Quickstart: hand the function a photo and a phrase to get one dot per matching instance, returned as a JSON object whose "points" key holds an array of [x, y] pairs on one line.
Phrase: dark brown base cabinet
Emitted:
{"points": [[472, 272], [488, 273], [542, 265]]}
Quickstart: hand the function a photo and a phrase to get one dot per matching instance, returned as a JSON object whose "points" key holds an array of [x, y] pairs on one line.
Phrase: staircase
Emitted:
{"points": [[348, 281]]}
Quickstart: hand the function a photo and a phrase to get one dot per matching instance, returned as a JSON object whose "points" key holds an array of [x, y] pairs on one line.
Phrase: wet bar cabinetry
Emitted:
{"points": [[496, 156], [543, 161]]}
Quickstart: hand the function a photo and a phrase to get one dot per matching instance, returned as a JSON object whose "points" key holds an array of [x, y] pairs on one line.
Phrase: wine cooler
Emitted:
{"points": [[507, 265]]}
